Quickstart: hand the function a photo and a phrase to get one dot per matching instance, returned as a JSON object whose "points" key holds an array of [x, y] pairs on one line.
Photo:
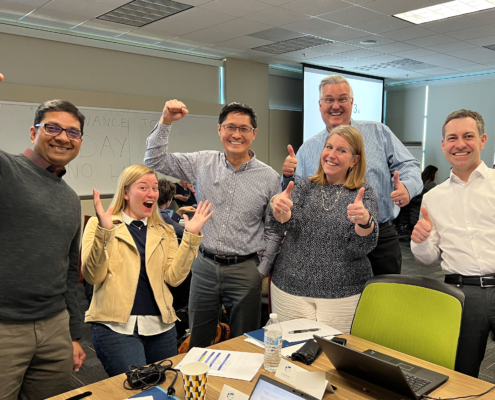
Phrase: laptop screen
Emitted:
{"points": [[270, 389]]}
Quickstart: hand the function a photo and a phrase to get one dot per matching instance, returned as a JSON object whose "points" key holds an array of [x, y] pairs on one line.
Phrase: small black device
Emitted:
{"points": [[339, 340]]}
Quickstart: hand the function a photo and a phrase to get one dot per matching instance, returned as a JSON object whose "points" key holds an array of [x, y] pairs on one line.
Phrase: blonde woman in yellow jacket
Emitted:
{"points": [[129, 254]]}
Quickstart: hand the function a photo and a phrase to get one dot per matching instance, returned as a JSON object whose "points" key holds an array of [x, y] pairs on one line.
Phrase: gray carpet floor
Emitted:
{"points": [[92, 370]]}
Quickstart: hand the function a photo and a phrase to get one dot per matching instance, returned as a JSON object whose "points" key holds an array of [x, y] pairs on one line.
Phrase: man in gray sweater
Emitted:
{"points": [[40, 226]]}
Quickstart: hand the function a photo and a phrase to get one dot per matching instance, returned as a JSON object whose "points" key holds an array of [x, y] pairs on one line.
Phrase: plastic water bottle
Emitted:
{"points": [[273, 343]]}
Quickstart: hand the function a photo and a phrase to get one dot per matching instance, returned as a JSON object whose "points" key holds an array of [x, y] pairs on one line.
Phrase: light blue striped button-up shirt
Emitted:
{"points": [[385, 154]]}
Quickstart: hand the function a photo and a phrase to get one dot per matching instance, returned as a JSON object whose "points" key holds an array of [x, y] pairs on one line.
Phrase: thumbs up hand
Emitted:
{"points": [[290, 163], [356, 213], [422, 230], [281, 204], [400, 195]]}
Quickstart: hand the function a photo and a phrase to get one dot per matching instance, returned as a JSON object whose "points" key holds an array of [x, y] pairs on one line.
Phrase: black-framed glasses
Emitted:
{"points": [[242, 129], [56, 130], [330, 100]]}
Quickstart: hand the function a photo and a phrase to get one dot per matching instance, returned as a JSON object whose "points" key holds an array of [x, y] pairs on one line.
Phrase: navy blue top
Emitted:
{"points": [[144, 302], [179, 229], [184, 192]]}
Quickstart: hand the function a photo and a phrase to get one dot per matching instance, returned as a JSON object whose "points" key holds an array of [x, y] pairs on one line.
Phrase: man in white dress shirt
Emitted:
{"points": [[458, 222]]}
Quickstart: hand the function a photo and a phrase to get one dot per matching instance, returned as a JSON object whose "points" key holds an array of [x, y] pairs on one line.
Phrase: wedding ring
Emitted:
{"points": [[353, 218]]}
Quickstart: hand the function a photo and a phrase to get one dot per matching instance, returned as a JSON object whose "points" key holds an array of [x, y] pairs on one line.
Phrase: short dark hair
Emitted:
{"points": [[58, 105], [167, 191], [480, 124], [428, 174], [240, 108]]}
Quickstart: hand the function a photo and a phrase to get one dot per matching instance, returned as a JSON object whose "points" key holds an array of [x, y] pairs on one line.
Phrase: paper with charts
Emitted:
{"points": [[226, 364]]}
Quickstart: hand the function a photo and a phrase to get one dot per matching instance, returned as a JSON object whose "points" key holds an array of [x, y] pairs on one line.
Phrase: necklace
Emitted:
{"points": [[139, 226], [324, 197]]}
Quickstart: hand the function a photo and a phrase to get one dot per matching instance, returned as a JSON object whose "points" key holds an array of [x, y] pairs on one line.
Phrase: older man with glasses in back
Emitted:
{"points": [[391, 170], [40, 228], [227, 270]]}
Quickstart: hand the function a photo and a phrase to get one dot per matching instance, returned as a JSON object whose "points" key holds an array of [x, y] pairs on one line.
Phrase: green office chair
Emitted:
{"points": [[414, 315]]}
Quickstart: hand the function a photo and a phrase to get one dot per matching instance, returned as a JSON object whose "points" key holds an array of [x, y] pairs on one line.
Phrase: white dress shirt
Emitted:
{"points": [[463, 231], [148, 325]]}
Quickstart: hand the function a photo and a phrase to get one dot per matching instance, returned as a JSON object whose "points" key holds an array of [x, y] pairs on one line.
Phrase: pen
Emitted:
{"points": [[305, 330], [80, 396]]}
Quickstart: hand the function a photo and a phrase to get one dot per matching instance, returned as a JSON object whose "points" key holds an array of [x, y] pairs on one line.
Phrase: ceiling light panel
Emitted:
{"points": [[445, 10], [143, 12], [287, 46]]}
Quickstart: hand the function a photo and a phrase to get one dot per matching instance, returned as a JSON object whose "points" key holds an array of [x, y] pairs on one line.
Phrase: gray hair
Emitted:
{"points": [[331, 79], [480, 124]]}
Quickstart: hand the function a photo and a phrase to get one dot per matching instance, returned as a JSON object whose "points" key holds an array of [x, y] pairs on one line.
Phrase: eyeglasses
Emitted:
{"points": [[55, 130], [330, 100], [242, 129]]}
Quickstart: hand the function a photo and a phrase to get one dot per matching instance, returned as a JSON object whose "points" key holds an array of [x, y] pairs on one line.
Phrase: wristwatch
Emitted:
{"points": [[368, 225]]}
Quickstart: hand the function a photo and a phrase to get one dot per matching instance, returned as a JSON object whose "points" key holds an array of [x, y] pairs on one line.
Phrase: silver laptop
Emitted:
{"points": [[391, 373], [267, 388]]}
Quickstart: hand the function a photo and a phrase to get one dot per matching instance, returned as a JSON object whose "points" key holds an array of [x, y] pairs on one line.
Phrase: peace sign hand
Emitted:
{"points": [[104, 218]]}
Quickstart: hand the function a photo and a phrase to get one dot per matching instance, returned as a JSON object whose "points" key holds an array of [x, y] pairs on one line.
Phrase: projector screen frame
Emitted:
{"points": [[344, 72]]}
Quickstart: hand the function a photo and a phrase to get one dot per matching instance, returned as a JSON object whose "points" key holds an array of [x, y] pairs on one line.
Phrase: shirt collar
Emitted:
{"points": [[127, 220], [480, 172], [244, 166], [41, 162]]}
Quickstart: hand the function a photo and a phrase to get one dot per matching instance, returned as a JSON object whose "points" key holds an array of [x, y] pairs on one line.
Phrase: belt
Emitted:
{"points": [[385, 224], [459, 280], [226, 259]]}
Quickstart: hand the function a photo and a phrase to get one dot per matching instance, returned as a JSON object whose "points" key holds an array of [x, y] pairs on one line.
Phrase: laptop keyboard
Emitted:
{"points": [[416, 382]]}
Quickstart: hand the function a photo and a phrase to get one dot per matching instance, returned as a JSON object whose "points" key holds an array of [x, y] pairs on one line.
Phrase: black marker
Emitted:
{"points": [[80, 396]]}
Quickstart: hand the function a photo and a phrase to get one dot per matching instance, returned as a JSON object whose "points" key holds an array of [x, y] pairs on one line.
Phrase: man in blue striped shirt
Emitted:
{"points": [[391, 170]]}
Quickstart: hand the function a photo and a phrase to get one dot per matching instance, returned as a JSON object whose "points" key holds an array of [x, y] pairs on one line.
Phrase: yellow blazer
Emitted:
{"points": [[111, 262]]}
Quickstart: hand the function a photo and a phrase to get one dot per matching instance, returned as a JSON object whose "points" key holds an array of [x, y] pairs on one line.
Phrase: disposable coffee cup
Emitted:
{"points": [[194, 375]]}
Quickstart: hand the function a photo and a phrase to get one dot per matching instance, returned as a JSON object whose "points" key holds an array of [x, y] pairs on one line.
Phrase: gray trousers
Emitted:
{"points": [[35, 358], [236, 286]]}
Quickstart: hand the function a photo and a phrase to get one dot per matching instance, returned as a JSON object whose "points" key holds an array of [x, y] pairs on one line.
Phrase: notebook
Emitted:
{"points": [[267, 388], [388, 372]]}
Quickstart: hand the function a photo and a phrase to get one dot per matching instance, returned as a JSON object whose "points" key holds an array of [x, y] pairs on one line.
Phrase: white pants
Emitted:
{"points": [[337, 313]]}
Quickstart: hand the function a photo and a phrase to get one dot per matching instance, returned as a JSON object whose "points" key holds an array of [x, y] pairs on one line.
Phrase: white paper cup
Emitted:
{"points": [[194, 375]]}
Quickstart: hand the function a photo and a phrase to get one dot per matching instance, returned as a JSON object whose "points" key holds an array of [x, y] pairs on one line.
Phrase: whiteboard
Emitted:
{"points": [[113, 140]]}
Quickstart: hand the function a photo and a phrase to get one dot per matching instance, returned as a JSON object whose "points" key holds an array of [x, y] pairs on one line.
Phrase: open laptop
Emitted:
{"points": [[391, 373], [267, 388]]}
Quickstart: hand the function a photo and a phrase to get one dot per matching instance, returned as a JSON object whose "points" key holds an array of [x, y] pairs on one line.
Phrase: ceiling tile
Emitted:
{"points": [[228, 30], [473, 33], [311, 26], [34, 3], [181, 44], [88, 9], [333, 60], [351, 15], [385, 58], [343, 34], [244, 42], [335, 48], [394, 47], [276, 2], [439, 71], [189, 21], [481, 55], [382, 25], [455, 46], [238, 8], [474, 68], [276, 16], [412, 32], [487, 16], [429, 41], [251, 54], [452, 24], [102, 28], [13, 11], [413, 54], [276, 34], [145, 37], [315, 7], [483, 41], [443, 60], [194, 3], [55, 19], [360, 53], [391, 7], [380, 40]]}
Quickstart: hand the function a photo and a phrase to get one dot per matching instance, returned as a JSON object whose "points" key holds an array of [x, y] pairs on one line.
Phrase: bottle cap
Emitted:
{"points": [[273, 316]]}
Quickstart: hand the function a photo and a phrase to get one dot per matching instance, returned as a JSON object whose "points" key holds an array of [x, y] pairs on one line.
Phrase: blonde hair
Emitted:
{"points": [[126, 179], [355, 178]]}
